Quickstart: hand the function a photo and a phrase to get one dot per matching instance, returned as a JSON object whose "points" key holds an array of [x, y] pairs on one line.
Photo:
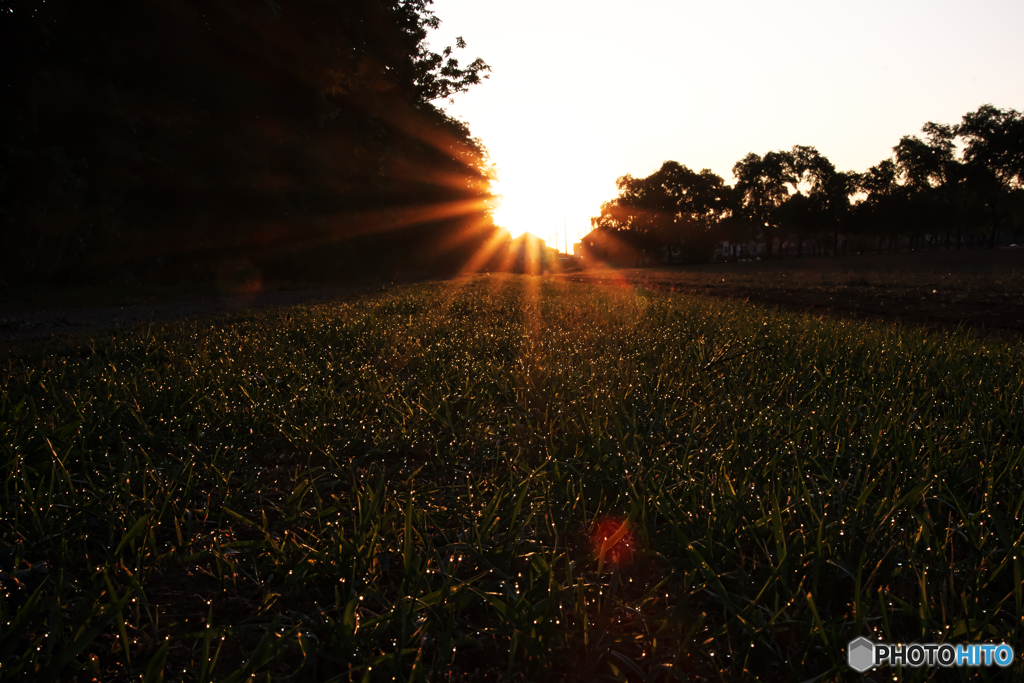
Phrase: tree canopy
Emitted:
{"points": [[671, 211], [954, 182], [179, 138]]}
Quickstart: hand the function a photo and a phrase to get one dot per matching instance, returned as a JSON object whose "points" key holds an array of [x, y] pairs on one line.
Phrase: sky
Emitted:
{"points": [[581, 93]]}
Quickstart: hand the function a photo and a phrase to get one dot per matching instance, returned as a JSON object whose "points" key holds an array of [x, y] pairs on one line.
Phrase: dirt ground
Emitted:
{"points": [[22, 326], [980, 289]]}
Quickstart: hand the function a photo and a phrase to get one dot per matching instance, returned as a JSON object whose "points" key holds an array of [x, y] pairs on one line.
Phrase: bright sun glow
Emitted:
{"points": [[623, 87], [547, 196]]}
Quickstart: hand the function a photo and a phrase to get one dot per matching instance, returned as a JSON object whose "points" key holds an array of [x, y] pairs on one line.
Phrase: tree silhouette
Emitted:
{"points": [[168, 139], [933, 180], [880, 214], [798, 215], [993, 142], [764, 183], [828, 201], [672, 211], [925, 188]]}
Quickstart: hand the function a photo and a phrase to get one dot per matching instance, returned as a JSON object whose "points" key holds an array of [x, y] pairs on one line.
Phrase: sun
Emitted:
{"points": [[515, 214], [526, 206], [550, 180], [547, 208]]}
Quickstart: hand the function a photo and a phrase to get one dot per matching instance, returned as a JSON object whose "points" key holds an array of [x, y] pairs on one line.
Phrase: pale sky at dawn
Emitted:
{"points": [[583, 92]]}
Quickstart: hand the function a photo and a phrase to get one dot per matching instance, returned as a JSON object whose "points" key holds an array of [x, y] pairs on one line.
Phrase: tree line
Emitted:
{"points": [[186, 139], [954, 185]]}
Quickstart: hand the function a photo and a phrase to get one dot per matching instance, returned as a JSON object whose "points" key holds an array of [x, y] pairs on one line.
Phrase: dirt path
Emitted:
{"points": [[982, 290], [1004, 319], [15, 327]]}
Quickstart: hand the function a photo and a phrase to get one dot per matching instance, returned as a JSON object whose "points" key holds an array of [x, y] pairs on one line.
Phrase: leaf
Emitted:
{"points": [[155, 668], [133, 532]]}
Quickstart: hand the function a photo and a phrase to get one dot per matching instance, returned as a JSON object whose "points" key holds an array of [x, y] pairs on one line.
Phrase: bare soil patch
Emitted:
{"points": [[34, 325], [982, 290]]}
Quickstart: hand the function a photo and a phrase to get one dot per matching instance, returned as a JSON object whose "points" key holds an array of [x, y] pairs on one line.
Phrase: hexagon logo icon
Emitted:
{"points": [[860, 654]]}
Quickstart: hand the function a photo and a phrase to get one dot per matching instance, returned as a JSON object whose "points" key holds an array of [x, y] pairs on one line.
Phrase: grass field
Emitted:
{"points": [[416, 486]]}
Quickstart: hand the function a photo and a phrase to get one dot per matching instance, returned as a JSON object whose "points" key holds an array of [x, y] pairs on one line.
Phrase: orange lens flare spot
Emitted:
{"points": [[613, 538]]}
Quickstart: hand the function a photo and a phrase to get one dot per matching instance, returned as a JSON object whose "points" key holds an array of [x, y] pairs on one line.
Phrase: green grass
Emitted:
{"points": [[404, 487]]}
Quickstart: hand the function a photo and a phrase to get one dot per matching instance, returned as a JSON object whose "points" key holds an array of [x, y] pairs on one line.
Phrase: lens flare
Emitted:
{"points": [[613, 540]]}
